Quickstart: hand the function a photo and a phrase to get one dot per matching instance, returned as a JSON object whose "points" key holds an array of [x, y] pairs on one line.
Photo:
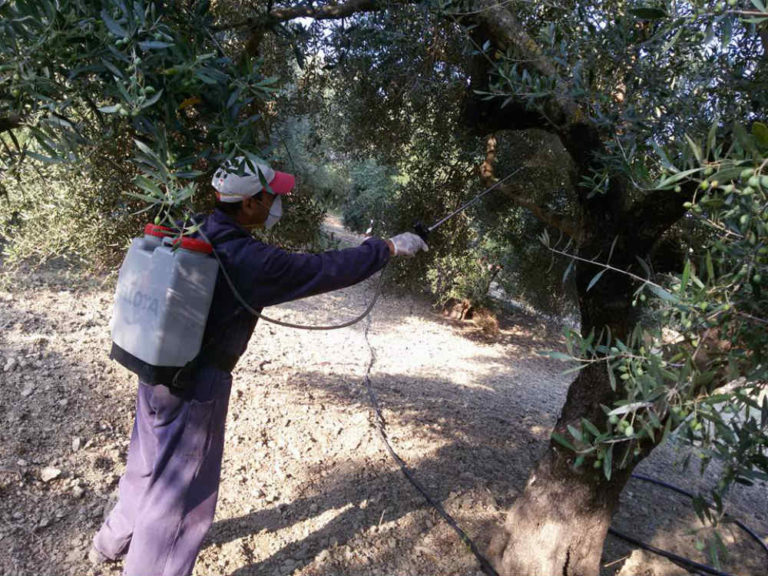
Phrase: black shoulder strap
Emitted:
{"points": [[178, 381]]}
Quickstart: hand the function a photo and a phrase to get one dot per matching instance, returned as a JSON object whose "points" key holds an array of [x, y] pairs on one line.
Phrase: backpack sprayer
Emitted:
{"points": [[164, 293]]}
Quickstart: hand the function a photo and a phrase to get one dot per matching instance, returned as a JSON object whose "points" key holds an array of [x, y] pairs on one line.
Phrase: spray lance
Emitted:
{"points": [[422, 230], [419, 228]]}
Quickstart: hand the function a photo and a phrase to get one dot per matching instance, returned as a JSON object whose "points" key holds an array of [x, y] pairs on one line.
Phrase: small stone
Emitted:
{"points": [[49, 473], [44, 523], [76, 443], [10, 365], [75, 555], [21, 462], [323, 556], [28, 391], [78, 492], [313, 509]]}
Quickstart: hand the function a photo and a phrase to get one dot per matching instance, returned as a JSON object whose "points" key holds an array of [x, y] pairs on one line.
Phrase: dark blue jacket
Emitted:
{"points": [[266, 275]]}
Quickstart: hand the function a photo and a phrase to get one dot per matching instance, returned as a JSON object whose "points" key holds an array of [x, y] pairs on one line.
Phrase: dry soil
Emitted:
{"points": [[307, 486]]}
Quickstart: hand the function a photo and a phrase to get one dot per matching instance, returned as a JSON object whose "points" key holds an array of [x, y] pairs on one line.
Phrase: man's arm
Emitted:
{"points": [[278, 276]]}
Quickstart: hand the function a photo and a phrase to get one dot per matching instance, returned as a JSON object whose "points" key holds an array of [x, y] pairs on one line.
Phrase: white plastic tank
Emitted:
{"points": [[163, 296]]}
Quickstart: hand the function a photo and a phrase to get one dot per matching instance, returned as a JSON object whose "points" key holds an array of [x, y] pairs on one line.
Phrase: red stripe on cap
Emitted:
{"points": [[282, 183]]}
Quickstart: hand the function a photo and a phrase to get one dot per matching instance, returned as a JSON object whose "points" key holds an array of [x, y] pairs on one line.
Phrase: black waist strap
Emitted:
{"points": [[175, 376]]}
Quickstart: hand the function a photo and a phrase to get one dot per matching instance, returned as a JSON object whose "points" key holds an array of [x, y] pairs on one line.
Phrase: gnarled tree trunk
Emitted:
{"points": [[558, 525]]}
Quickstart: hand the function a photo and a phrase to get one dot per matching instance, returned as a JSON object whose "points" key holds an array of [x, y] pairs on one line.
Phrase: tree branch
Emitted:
{"points": [[9, 122], [542, 213], [504, 30], [325, 12], [655, 213]]}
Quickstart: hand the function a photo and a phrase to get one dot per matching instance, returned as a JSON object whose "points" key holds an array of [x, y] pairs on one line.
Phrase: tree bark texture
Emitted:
{"points": [[559, 523]]}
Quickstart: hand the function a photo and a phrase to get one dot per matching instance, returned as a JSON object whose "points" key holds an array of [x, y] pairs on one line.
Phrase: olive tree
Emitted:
{"points": [[142, 90], [648, 105]]}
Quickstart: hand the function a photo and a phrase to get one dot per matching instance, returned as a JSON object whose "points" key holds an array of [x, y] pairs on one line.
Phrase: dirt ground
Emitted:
{"points": [[307, 486]]}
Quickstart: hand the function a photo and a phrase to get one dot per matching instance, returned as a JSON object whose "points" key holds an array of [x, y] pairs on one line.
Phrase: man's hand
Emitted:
{"points": [[406, 244]]}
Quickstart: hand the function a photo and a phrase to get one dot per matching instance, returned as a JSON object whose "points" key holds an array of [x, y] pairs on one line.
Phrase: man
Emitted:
{"points": [[167, 495]]}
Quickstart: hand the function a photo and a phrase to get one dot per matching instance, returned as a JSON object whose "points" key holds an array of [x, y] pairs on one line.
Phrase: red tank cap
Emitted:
{"points": [[159, 231], [193, 244]]}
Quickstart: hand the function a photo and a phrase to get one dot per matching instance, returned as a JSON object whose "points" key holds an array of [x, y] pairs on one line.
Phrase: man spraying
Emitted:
{"points": [[168, 492]]}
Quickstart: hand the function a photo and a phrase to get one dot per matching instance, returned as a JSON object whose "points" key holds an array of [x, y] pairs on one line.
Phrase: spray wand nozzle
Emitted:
{"points": [[422, 230]]}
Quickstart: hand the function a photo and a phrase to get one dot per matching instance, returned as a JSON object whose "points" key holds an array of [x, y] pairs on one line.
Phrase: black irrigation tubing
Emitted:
{"points": [[485, 565], [736, 521], [679, 560]]}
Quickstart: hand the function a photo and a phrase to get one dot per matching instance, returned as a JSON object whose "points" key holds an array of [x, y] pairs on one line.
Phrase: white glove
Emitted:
{"points": [[408, 244]]}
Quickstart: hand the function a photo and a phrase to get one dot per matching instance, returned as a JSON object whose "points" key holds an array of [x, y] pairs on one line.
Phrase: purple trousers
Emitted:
{"points": [[167, 495]]}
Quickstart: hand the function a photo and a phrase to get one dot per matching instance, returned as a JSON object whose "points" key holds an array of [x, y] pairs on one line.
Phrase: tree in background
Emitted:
{"points": [[140, 93]]}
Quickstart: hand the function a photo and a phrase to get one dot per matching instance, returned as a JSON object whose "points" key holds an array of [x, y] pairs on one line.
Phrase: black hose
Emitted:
{"points": [[736, 521], [679, 560], [686, 563], [381, 426]]}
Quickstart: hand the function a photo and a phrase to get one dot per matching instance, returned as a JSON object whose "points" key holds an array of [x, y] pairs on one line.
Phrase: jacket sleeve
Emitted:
{"points": [[278, 276]]}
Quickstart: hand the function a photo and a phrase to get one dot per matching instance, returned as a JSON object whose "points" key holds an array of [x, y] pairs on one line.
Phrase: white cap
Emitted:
{"points": [[232, 187]]}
